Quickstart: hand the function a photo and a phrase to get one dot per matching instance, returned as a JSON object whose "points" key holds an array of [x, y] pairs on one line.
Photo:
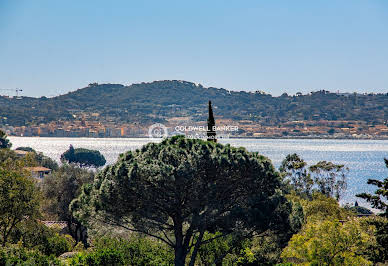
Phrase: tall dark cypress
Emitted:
{"points": [[211, 133]]}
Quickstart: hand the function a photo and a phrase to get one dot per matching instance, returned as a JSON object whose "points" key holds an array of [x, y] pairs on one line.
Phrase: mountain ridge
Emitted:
{"points": [[160, 100]]}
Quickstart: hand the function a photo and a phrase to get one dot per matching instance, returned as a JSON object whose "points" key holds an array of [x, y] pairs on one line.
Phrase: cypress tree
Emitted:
{"points": [[211, 133]]}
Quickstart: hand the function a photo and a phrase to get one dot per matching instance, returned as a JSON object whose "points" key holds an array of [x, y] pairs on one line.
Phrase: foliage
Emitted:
{"points": [[264, 249], [19, 200], [17, 255], [330, 178], [321, 207], [135, 251], [379, 253], [210, 252], [180, 188], [379, 201], [35, 235], [46, 161], [293, 169], [151, 102], [40, 158], [326, 177], [106, 256], [4, 142], [59, 189], [83, 157], [7, 154], [330, 242], [56, 245], [215, 250], [11, 161], [380, 198]]}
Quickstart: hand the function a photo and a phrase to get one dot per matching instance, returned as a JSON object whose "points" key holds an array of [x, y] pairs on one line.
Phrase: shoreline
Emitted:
{"points": [[234, 137]]}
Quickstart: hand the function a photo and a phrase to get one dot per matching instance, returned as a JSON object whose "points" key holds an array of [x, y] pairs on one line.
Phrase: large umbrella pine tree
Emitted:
{"points": [[178, 189]]}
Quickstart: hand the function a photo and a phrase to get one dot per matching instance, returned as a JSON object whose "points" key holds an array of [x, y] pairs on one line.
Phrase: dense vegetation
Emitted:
{"points": [[40, 158], [156, 101], [83, 157], [4, 142], [178, 190], [183, 202]]}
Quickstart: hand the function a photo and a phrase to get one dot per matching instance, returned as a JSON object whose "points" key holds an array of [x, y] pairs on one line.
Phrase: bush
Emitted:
{"points": [[331, 242], [56, 245], [35, 235], [107, 256], [40, 158], [135, 251], [17, 255]]}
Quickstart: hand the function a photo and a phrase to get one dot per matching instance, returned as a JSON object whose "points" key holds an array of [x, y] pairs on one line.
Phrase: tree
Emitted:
{"points": [[4, 142], [179, 189], [211, 132], [33, 234], [321, 207], [325, 177], [379, 253], [294, 170], [46, 161], [330, 242], [379, 201], [212, 252], [263, 249], [7, 154], [19, 200], [40, 158], [59, 189], [83, 157], [380, 198], [330, 178]]}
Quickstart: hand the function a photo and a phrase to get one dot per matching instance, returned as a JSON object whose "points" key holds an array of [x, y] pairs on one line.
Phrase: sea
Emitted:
{"points": [[364, 158]]}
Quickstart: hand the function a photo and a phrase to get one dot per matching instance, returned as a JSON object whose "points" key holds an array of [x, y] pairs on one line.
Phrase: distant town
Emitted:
{"points": [[246, 129]]}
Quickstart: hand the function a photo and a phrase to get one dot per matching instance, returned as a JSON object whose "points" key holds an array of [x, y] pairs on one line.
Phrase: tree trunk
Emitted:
{"points": [[180, 249], [180, 256]]}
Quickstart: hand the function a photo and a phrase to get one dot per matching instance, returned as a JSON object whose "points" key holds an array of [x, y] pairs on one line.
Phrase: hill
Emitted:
{"points": [[160, 100]]}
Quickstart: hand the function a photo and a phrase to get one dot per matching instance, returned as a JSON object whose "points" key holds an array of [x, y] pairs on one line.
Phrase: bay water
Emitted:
{"points": [[364, 158]]}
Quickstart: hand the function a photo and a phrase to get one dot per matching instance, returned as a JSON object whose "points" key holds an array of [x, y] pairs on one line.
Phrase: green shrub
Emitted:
{"points": [[56, 245], [107, 256], [35, 235], [18, 255], [135, 251]]}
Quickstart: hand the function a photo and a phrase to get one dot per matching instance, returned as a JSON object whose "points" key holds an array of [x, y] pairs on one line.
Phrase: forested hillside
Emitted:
{"points": [[156, 101]]}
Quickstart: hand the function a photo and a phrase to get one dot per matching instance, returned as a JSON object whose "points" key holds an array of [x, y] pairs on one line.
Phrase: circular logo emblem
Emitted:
{"points": [[157, 131]]}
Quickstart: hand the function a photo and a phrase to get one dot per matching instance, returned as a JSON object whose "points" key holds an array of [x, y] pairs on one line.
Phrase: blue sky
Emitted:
{"points": [[51, 47]]}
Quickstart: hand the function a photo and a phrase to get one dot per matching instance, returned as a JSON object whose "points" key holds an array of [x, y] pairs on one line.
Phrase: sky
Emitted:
{"points": [[50, 47]]}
